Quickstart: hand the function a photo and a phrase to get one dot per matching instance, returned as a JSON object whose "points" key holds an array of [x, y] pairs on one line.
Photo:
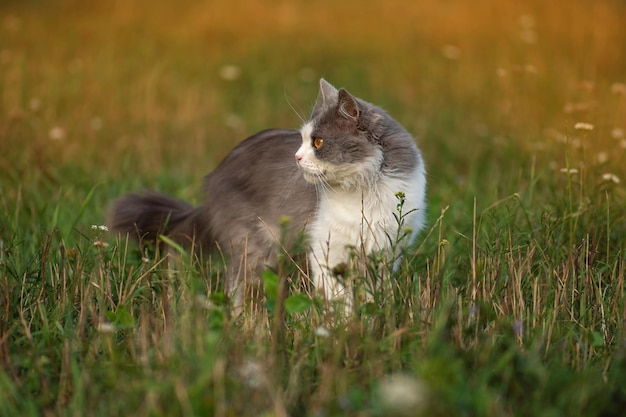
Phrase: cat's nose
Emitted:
{"points": [[298, 158]]}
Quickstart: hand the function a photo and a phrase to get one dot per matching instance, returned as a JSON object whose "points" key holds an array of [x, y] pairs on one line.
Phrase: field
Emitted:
{"points": [[511, 302]]}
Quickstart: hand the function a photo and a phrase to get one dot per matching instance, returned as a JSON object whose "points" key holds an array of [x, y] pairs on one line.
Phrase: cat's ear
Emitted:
{"points": [[348, 107], [326, 97], [328, 93]]}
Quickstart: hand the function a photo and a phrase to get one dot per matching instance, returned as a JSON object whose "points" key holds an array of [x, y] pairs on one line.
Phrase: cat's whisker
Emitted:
{"points": [[302, 119], [289, 188]]}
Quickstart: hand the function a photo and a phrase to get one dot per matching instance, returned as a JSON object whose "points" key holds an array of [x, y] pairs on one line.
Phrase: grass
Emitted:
{"points": [[511, 303]]}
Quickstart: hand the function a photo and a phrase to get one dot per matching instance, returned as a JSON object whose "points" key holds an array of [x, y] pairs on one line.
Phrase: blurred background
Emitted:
{"points": [[98, 98]]}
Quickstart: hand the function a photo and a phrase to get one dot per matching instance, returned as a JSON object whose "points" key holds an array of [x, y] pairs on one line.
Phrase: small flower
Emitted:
{"points": [[101, 228], [530, 69], [569, 171], [145, 260], [451, 52], [402, 395], [230, 72], [528, 35], [57, 133], [321, 332], [583, 126], [34, 104], [608, 177], [618, 88], [100, 244], [253, 374], [234, 121], [617, 133], [95, 123], [106, 327]]}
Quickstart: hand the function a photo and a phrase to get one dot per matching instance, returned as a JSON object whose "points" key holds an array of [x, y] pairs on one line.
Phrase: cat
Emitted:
{"points": [[336, 180]]}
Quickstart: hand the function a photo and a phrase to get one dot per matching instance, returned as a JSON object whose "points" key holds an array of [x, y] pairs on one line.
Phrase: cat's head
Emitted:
{"points": [[341, 141]]}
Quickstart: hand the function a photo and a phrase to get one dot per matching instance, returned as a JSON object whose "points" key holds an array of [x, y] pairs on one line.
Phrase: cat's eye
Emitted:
{"points": [[318, 142]]}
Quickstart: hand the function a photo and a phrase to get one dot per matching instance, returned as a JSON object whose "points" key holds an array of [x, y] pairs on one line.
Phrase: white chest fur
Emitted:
{"points": [[362, 220]]}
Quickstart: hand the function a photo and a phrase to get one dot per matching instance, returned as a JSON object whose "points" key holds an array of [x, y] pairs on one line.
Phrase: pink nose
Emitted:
{"points": [[298, 158]]}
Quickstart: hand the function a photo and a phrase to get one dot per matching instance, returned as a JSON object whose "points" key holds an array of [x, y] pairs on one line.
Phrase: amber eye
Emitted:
{"points": [[318, 142]]}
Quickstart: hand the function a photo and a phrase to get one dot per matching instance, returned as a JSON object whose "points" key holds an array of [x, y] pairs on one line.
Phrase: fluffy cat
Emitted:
{"points": [[336, 179]]}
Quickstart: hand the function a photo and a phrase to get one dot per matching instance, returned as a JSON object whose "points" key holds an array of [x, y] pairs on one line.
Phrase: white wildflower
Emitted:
{"points": [[34, 104], [530, 69], [106, 327], [57, 133], [608, 177], [234, 121], [569, 171], [451, 52], [100, 244], [402, 395], [583, 126], [528, 35], [253, 374], [230, 72], [321, 332], [618, 88]]}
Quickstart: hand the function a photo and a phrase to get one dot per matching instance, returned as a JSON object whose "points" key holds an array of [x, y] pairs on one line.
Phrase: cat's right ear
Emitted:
{"points": [[326, 98]]}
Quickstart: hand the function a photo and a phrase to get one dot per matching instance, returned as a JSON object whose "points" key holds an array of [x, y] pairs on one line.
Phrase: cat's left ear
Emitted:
{"points": [[348, 107], [325, 99]]}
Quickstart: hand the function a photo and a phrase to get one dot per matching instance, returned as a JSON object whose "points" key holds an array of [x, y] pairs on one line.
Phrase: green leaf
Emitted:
{"points": [[369, 309], [121, 318], [173, 244], [597, 340], [270, 282], [297, 303]]}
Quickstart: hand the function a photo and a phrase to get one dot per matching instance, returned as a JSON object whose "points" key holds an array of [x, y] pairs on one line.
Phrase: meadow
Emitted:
{"points": [[510, 303]]}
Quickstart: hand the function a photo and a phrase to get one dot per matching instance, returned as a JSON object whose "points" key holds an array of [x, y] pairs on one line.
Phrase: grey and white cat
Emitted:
{"points": [[336, 179]]}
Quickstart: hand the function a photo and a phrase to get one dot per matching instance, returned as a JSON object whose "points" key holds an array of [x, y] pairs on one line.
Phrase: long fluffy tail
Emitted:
{"points": [[146, 216]]}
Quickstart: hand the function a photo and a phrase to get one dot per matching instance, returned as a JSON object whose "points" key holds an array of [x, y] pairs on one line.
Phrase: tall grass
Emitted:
{"points": [[510, 303]]}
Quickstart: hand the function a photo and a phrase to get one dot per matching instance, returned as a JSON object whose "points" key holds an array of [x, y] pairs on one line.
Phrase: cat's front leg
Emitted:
{"points": [[324, 280]]}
